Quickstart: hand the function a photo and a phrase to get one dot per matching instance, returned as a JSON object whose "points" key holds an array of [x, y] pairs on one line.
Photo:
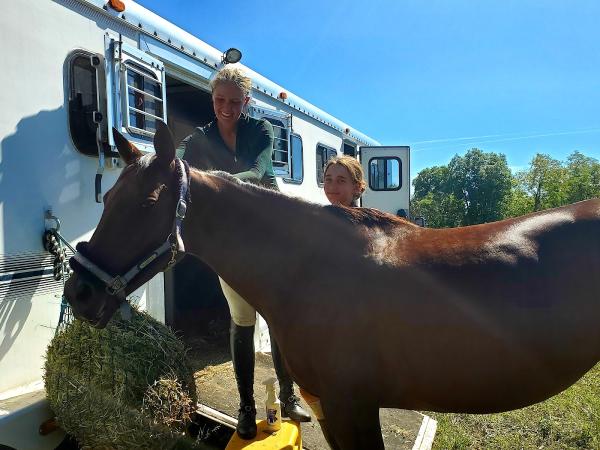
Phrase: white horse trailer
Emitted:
{"points": [[71, 70]]}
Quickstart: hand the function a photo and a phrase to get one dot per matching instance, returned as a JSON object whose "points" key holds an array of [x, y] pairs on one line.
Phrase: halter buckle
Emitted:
{"points": [[174, 252], [181, 209], [116, 284]]}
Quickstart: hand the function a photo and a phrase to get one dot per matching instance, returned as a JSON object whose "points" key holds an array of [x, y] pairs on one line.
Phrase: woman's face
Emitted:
{"points": [[228, 102], [339, 187]]}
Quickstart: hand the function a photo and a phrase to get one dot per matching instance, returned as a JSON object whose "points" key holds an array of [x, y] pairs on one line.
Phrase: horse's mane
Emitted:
{"points": [[230, 177], [368, 217]]}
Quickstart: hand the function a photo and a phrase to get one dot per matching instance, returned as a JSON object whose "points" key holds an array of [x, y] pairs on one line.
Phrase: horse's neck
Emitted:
{"points": [[229, 227], [259, 241]]}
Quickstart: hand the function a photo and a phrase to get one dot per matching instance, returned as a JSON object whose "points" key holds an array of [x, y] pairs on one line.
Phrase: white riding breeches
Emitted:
{"points": [[241, 312]]}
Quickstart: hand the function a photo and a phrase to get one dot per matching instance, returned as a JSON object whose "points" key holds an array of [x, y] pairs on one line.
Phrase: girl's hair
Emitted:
{"points": [[235, 75], [353, 167]]}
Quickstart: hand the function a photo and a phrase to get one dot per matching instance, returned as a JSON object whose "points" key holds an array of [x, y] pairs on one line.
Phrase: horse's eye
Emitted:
{"points": [[153, 196]]}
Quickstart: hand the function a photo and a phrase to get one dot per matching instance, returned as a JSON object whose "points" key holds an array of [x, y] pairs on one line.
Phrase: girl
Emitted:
{"points": [[344, 181]]}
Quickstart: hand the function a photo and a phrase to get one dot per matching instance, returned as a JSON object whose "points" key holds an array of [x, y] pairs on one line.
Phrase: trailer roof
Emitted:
{"points": [[155, 26]]}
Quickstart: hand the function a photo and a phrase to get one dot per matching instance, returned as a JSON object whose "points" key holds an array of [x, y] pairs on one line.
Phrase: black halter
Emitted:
{"points": [[115, 285]]}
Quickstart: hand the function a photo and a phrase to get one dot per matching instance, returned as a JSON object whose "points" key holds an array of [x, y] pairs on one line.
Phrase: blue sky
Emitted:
{"points": [[515, 77]]}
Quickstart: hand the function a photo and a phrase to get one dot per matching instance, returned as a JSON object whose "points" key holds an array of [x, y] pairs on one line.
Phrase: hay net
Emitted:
{"points": [[127, 386]]}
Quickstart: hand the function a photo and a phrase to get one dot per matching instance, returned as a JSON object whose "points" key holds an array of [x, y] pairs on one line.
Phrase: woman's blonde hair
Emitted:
{"points": [[354, 169], [235, 75]]}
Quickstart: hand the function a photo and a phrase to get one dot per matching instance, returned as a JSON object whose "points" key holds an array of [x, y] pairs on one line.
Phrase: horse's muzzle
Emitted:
{"points": [[89, 300]]}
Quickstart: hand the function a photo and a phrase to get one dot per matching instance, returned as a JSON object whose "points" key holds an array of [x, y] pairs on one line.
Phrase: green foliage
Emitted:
{"points": [[440, 209], [518, 202], [432, 180], [543, 182], [583, 180], [483, 182], [472, 189], [479, 187]]}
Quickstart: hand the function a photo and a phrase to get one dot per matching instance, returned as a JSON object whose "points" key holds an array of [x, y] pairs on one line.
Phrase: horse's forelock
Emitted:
{"points": [[145, 160]]}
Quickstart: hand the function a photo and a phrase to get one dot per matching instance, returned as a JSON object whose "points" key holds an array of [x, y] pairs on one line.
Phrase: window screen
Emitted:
{"points": [[280, 146], [144, 101]]}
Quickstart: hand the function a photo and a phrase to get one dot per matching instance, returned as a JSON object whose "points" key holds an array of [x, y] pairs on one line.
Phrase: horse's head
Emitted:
{"points": [[138, 234]]}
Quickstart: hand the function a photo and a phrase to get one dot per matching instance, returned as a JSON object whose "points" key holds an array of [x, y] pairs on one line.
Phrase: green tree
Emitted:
{"points": [[473, 188], [479, 187], [483, 182], [431, 180], [582, 178], [440, 209], [433, 200], [543, 182], [518, 202]]}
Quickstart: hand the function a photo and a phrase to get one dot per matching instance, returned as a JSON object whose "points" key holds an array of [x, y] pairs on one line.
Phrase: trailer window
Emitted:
{"points": [[385, 174], [144, 101], [83, 101], [349, 149], [296, 174], [281, 162], [323, 155], [283, 157]]}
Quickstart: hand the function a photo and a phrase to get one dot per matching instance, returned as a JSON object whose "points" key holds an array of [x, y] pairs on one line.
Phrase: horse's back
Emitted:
{"points": [[516, 296]]}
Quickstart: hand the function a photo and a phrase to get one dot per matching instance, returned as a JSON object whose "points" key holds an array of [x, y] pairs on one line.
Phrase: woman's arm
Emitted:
{"points": [[264, 152]]}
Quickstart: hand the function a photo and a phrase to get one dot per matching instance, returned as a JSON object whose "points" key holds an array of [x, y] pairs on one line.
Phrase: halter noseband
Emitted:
{"points": [[174, 243]]}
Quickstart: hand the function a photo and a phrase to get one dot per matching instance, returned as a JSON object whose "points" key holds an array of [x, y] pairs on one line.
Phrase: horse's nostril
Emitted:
{"points": [[83, 290]]}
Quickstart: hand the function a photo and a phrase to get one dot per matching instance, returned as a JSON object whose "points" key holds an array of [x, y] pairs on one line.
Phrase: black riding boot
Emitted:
{"points": [[290, 406], [242, 356]]}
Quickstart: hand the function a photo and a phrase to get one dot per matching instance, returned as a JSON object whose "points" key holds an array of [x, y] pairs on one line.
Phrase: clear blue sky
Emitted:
{"points": [[515, 77]]}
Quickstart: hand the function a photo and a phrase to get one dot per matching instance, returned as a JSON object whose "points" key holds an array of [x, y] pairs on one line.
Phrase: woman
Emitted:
{"points": [[242, 146], [344, 181]]}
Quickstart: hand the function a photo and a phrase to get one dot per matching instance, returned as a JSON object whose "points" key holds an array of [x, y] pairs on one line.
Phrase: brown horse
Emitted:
{"points": [[370, 310]]}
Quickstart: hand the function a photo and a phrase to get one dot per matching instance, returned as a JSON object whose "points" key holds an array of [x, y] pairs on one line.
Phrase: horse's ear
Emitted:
{"points": [[127, 150], [163, 143]]}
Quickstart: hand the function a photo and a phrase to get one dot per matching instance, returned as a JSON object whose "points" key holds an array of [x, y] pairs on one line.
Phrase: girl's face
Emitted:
{"points": [[339, 187], [228, 102]]}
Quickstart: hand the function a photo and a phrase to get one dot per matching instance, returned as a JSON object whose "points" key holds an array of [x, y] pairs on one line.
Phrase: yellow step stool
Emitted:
{"points": [[289, 437]]}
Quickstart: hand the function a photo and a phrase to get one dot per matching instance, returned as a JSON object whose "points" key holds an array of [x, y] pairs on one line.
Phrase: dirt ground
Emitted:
{"points": [[215, 381]]}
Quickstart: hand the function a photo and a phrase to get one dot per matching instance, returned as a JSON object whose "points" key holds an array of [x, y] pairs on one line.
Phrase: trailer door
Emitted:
{"points": [[387, 173]]}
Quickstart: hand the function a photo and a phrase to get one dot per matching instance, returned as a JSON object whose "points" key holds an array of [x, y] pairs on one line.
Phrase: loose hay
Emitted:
{"points": [[127, 386], [168, 403]]}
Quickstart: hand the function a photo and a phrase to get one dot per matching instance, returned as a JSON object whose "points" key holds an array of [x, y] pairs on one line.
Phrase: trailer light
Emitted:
{"points": [[231, 56], [117, 5]]}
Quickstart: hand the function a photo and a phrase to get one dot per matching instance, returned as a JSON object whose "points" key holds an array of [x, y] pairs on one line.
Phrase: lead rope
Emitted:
{"points": [[57, 246]]}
